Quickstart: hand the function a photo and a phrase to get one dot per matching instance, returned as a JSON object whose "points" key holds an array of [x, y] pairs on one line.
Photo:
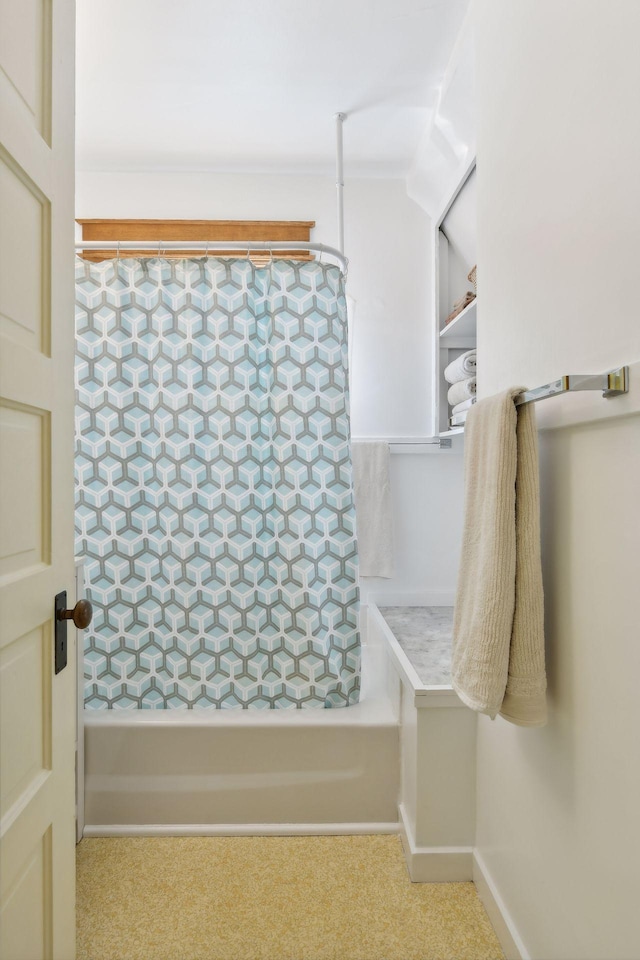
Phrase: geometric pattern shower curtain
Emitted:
{"points": [[214, 498]]}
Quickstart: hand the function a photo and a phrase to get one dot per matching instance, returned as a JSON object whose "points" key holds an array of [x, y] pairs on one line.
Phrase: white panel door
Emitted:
{"points": [[37, 707]]}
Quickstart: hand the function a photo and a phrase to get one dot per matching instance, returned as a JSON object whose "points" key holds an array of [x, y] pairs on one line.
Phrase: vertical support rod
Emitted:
{"points": [[340, 117]]}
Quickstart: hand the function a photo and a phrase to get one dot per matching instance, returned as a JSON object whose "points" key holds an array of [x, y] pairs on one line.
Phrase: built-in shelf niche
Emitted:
{"points": [[455, 255], [462, 328]]}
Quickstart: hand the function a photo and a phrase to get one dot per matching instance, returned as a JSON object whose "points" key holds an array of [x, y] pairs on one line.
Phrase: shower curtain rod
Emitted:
{"points": [[340, 118], [248, 246]]}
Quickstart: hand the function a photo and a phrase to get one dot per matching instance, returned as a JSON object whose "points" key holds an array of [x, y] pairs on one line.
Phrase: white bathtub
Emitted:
{"points": [[201, 772]]}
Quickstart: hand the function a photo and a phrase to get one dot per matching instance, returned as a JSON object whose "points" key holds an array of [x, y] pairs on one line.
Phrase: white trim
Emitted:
{"points": [[462, 178], [433, 864], [434, 697], [80, 781], [501, 920], [238, 829], [437, 222]]}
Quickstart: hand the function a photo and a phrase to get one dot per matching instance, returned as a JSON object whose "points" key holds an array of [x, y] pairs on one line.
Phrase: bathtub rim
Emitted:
{"points": [[368, 713]]}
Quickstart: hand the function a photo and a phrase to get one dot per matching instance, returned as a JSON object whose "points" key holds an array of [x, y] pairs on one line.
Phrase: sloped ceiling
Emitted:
{"points": [[242, 85]]}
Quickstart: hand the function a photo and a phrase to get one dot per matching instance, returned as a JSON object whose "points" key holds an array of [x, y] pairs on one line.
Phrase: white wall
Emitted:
{"points": [[387, 241], [558, 826]]}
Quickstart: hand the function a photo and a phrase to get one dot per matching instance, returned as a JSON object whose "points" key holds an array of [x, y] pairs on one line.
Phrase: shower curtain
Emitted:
{"points": [[214, 502]]}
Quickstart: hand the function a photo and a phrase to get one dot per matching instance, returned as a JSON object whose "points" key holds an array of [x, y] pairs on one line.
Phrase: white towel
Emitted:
{"points": [[461, 407], [462, 390], [372, 493], [498, 629], [461, 368]]}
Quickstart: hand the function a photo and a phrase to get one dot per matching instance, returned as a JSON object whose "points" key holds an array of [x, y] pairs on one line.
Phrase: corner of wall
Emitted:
{"points": [[500, 918], [448, 144]]}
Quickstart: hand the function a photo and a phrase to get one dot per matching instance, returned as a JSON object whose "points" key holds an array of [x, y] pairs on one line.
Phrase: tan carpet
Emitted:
{"points": [[270, 898]]}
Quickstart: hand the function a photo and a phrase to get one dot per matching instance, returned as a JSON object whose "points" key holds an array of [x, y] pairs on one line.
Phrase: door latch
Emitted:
{"points": [[81, 616]]}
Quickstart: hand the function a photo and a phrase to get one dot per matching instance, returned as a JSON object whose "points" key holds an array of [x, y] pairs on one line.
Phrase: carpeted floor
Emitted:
{"points": [[270, 898]]}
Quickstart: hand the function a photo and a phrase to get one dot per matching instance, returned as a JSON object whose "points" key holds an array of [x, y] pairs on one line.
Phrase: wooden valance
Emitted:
{"points": [[202, 231]]}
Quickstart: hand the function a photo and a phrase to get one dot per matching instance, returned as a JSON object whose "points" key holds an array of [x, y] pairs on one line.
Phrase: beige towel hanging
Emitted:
{"points": [[498, 633]]}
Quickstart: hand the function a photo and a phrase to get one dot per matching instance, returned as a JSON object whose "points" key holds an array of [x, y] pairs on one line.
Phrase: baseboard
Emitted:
{"points": [[237, 829], [501, 920], [433, 864]]}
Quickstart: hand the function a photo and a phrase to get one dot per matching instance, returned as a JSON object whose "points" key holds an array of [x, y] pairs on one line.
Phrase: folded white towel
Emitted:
{"points": [[462, 390], [461, 368], [372, 494], [458, 419], [461, 407], [498, 629]]}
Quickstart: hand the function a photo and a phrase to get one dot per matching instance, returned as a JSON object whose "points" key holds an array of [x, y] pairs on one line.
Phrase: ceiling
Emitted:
{"points": [[242, 85]]}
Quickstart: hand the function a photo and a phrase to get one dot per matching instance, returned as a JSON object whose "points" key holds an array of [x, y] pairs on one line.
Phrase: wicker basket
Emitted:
{"points": [[460, 305]]}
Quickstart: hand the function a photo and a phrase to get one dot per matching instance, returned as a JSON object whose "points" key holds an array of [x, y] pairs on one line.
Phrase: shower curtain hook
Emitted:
{"points": [[206, 250], [160, 247]]}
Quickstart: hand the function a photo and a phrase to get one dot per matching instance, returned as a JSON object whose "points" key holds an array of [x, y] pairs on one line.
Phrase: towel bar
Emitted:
{"points": [[613, 384], [443, 442]]}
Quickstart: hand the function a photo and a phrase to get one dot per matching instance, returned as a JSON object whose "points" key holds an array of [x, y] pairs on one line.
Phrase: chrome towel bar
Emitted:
{"points": [[613, 384]]}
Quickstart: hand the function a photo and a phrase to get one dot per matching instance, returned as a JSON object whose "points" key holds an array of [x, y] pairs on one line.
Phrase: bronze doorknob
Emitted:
{"points": [[81, 614]]}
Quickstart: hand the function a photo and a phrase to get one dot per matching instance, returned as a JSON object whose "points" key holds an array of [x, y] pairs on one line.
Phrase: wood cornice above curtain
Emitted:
{"points": [[200, 231]]}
